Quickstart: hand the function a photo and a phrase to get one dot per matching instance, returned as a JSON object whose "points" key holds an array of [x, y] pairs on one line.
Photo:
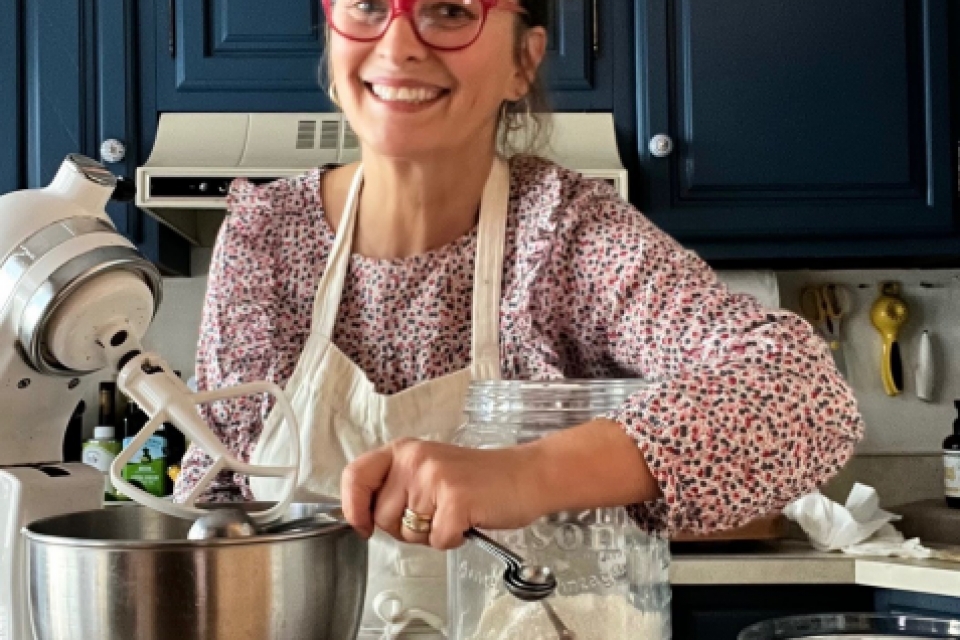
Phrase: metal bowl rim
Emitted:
{"points": [[913, 623], [35, 537]]}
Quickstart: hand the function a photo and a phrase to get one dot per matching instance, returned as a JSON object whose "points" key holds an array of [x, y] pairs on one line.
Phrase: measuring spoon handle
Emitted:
{"points": [[563, 632], [508, 557]]}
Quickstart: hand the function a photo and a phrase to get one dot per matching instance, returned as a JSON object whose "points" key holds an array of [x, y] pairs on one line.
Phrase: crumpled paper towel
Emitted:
{"points": [[858, 528]]}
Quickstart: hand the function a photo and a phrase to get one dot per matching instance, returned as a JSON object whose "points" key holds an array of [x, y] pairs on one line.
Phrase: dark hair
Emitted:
{"points": [[538, 12], [525, 124]]}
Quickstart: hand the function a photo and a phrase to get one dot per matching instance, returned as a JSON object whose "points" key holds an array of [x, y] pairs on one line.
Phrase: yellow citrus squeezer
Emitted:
{"points": [[888, 315]]}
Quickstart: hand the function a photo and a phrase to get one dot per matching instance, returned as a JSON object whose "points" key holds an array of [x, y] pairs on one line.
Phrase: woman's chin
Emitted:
{"points": [[408, 146]]}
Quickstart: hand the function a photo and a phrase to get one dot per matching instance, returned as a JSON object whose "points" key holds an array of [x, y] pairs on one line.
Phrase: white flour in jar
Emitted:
{"points": [[589, 616]]}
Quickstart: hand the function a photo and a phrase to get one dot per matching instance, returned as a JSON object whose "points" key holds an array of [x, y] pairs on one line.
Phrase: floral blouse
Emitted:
{"points": [[751, 412]]}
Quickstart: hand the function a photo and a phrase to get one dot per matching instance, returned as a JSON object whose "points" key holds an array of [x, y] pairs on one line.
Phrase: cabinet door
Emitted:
{"points": [[59, 115], [922, 605], [248, 55], [722, 612], [580, 49], [796, 122], [239, 55], [78, 83], [116, 119], [11, 115]]}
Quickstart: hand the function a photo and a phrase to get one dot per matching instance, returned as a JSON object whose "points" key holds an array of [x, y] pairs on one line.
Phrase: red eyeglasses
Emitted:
{"points": [[447, 25]]}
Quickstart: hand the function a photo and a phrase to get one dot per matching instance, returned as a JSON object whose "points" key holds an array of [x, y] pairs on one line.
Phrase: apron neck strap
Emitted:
{"points": [[491, 234], [330, 289]]}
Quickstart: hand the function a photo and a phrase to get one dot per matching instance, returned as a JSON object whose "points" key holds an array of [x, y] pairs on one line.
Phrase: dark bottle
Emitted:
{"points": [[176, 443], [73, 438], [107, 405], [951, 463], [176, 446], [133, 421]]}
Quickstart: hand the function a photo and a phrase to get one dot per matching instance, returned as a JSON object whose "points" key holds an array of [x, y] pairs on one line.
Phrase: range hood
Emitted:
{"points": [[197, 155]]}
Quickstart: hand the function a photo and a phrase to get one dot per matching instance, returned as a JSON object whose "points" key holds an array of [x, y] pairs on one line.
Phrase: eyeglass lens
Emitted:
{"points": [[440, 23]]}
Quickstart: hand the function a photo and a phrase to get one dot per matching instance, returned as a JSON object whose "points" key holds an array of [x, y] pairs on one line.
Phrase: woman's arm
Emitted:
{"points": [[236, 338], [594, 465], [747, 410], [585, 467]]}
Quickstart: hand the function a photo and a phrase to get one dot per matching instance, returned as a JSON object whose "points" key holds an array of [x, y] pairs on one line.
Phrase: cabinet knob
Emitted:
{"points": [[113, 150], [661, 145]]}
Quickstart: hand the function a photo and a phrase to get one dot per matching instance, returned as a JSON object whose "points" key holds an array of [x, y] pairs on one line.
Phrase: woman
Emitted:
{"points": [[377, 295]]}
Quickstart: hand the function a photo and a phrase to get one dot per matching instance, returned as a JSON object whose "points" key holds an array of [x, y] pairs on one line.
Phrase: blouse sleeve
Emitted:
{"points": [[746, 411], [235, 337]]}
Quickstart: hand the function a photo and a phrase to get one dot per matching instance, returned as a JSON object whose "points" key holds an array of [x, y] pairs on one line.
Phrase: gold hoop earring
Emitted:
{"points": [[528, 106], [332, 93], [504, 112], [513, 117]]}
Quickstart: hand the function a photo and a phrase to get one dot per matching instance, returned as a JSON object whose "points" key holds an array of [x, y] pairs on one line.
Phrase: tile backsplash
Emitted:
{"points": [[899, 453]]}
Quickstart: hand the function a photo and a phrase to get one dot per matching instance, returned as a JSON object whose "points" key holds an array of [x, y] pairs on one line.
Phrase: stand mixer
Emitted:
{"points": [[75, 298]]}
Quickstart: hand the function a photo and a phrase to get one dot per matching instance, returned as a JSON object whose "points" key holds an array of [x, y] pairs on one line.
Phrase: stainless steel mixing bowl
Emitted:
{"points": [[852, 626], [129, 572]]}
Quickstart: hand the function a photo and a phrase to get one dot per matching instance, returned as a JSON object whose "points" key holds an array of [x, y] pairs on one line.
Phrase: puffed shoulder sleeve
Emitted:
{"points": [[745, 410], [239, 323]]}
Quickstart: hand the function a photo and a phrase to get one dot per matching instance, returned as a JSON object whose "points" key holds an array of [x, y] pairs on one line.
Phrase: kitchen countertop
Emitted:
{"points": [[796, 562]]}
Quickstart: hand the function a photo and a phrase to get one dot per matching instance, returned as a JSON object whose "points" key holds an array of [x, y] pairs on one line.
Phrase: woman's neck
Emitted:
{"points": [[410, 207]]}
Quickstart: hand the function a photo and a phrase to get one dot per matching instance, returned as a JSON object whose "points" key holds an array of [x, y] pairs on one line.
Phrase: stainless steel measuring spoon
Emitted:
{"points": [[527, 582], [236, 523]]}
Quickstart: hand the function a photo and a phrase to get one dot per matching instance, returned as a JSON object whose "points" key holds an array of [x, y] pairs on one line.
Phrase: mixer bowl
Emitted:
{"points": [[130, 572]]}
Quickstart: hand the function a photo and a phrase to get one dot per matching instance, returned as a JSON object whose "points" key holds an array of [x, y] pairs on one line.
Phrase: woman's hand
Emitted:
{"points": [[457, 488], [594, 465]]}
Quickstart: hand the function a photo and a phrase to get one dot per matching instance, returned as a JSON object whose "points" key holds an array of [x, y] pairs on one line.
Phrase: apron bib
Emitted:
{"points": [[342, 416]]}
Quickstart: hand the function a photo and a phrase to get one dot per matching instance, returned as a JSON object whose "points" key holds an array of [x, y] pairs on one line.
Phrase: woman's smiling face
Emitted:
{"points": [[406, 99]]}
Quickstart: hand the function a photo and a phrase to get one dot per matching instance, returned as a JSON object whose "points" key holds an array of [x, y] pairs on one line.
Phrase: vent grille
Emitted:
{"points": [[306, 134], [329, 133]]}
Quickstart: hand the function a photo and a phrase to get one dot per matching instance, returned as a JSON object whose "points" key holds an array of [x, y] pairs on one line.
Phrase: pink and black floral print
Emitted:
{"points": [[750, 411]]}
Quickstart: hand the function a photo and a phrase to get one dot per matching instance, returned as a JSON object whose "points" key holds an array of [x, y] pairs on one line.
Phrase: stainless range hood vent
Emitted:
{"points": [[196, 156]]}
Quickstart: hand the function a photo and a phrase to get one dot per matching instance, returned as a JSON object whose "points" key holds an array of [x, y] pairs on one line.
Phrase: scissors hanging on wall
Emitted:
{"points": [[824, 305]]}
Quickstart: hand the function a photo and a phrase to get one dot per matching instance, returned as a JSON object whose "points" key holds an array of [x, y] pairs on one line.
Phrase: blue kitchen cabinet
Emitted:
{"points": [[250, 56], [234, 55], [722, 612], [73, 80], [917, 604], [800, 130], [11, 141], [247, 55]]}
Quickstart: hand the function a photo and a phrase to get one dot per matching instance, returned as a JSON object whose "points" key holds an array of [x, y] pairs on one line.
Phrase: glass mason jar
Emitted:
{"points": [[612, 577]]}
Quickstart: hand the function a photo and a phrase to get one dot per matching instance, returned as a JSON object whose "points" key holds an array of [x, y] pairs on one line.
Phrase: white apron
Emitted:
{"points": [[342, 416]]}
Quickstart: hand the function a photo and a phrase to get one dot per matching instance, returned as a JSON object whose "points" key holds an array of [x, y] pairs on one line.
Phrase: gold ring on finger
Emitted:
{"points": [[415, 522]]}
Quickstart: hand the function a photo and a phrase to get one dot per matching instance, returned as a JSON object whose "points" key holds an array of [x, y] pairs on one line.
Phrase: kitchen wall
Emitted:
{"points": [[900, 454]]}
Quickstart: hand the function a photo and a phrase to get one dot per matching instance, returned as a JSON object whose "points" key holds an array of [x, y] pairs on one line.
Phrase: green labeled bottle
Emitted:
{"points": [[147, 470], [100, 452]]}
